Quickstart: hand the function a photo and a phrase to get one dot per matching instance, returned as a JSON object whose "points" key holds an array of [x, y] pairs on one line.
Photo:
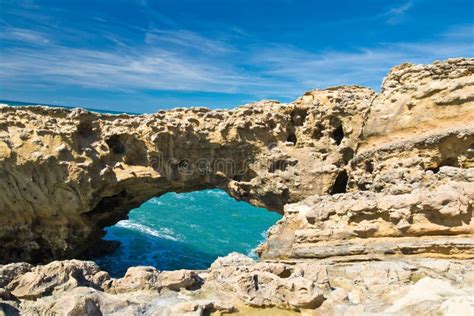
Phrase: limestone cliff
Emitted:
{"points": [[410, 183], [376, 191], [69, 174]]}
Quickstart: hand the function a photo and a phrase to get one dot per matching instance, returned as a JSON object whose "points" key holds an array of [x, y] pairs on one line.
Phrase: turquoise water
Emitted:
{"points": [[186, 231], [17, 103], [183, 231]]}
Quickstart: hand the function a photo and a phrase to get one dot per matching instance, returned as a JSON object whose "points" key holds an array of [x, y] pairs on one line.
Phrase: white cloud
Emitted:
{"points": [[24, 36], [124, 69], [395, 15], [465, 32], [186, 39], [365, 66], [208, 65]]}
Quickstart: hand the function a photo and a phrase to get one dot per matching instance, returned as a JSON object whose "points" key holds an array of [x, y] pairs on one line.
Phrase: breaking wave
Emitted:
{"points": [[162, 233]]}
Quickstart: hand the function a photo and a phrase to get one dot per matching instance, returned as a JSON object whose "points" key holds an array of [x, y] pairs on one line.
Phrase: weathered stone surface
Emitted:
{"points": [[263, 284], [83, 301], [433, 296], [396, 285], [55, 276], [67, 174], [150, 279], [137, 278], [418, 100], [199, 307], [74, 172], [11, 271], [377, 194], [179, 279], [409, 185], [432, 218]]}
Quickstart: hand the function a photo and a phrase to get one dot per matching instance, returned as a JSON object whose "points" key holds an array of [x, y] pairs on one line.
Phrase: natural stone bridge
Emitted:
{"points": [[376, 190], [65, 175]]}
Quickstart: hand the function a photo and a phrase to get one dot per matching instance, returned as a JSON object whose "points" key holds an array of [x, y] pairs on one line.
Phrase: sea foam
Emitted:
{"points": [[166, 233]]}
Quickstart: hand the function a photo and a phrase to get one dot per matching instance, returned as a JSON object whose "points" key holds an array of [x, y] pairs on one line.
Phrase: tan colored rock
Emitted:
{"points": [[5, 151], [10, 271], [431, 296], [150, 279], [179, 279], [433, 219], [313, 287], [263, 285], [410, 181], [376, 190], [87, 170], [83, 301], [53, 277], [137, 278], [199, 308], [418, 99]]}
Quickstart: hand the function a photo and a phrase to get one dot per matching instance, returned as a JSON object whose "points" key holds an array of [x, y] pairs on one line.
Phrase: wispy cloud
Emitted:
{"points": [[186, 39], [465, 32], [364, 66], [152, 67], [24, 35], [183, 60], [396, 14]]}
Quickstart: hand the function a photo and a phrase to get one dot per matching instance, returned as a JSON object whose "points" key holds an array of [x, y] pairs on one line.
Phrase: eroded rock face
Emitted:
{"points": [[377, 193], [421, 99], [431, 217], [410, 184], [69, 174], [400, 286]]}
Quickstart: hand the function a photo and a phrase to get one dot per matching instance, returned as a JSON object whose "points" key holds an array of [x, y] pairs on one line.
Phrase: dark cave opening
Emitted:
{"points": [[292, 138], [340, 184], [450, 162], [369, 166], [298, 116], [338, 134], [115, 144]]}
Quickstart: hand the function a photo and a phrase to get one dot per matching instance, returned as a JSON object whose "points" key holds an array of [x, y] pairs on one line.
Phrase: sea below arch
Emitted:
{"points": [[186, 231]]}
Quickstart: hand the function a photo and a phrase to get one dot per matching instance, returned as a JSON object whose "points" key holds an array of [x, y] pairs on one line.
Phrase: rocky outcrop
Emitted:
{"points": [[401, 286], [376, 192], [67, 175], [409, 185], [431, 218]]}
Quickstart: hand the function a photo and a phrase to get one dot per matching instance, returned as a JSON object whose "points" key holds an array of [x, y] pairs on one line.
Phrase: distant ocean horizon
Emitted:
{"points": [[22, 103], [183, 231]]}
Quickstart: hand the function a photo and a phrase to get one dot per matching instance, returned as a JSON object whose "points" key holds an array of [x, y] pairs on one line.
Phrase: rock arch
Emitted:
{"points": [[67, 174], [90, 169]]}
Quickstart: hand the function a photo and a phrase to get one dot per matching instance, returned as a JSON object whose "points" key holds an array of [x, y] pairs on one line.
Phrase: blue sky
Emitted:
{"points": [[144, 55]]}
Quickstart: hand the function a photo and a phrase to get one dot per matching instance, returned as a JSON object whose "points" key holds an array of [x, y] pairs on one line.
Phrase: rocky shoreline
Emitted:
{"points": [[236, 283], [376, 192]]}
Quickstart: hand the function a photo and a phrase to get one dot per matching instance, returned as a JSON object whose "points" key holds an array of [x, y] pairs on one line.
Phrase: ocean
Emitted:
{"points": [[18, 103], [184, 231]]}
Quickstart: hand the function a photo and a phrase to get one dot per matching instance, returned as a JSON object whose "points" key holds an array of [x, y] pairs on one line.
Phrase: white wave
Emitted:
{"points": [[166, 233], [183, 196], [155, 201], [218, 193], [252, 253]]}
